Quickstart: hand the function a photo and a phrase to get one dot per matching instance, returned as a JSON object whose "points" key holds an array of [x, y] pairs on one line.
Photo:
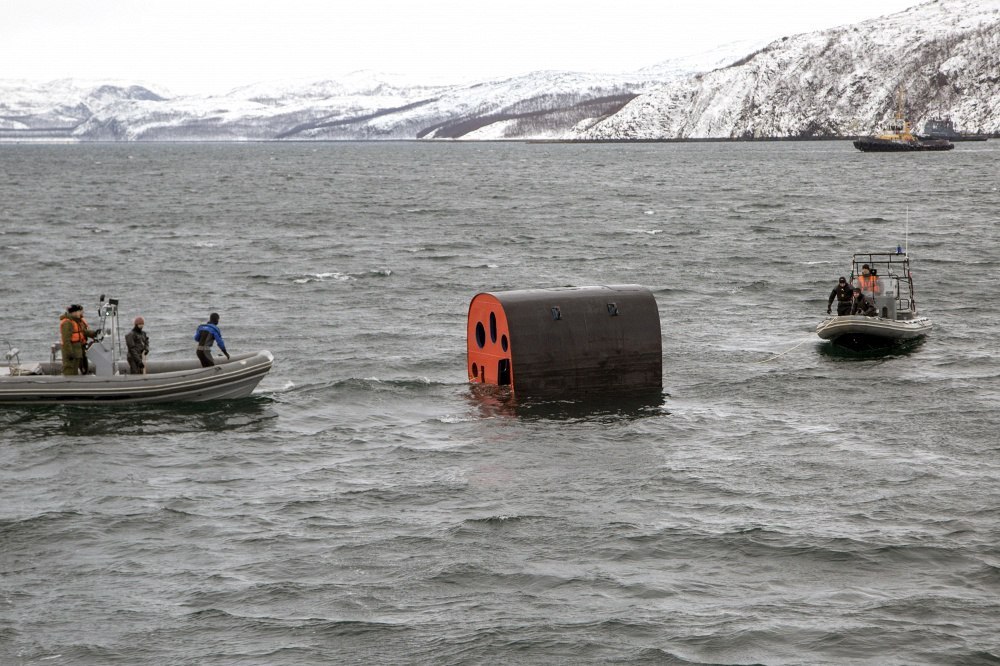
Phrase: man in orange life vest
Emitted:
{"points": [[74, 331], [868, 280]]}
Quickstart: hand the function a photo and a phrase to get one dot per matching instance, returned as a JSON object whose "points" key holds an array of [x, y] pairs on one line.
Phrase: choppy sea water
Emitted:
{"points": [[785, 505]]}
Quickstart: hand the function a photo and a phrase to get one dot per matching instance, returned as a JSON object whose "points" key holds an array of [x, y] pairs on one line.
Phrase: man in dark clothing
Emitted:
{"points": [[861, 305], [137, 343], [843, 293], [206, 334]]}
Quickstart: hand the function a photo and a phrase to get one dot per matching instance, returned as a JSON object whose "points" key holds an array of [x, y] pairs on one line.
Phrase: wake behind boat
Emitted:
{"points": [[892, 317], [163, 381]]}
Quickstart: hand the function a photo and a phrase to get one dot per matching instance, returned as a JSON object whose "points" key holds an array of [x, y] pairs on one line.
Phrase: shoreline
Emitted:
{"points": [[52, 140]]}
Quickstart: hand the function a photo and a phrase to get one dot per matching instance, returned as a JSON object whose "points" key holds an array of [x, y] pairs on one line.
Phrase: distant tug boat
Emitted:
{"points": [[900, 139], [895, 321]]}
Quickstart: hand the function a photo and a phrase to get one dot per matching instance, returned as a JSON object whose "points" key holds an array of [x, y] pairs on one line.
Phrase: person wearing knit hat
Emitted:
{"points": [[861, 304], [842, 292], [73, 333], [137, 344]]}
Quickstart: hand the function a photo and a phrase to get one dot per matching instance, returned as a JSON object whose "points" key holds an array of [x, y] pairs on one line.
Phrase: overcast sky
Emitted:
{"points": [[215, 45]]}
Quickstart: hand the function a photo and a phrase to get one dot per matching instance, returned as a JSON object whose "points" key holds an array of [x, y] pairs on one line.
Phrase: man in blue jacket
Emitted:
{"points": [[206, 334]]}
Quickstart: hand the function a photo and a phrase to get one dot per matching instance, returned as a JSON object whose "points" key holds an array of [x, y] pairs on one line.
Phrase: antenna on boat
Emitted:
{"points": [[906, 234]]}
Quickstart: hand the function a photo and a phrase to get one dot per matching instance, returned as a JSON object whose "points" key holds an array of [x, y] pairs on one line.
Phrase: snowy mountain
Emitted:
{"points": [[360, 105], [944, 55], [372, 108], [58, 107]]}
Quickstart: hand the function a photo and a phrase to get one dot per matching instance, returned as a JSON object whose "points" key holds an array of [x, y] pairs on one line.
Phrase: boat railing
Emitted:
{"points": [[890, 294]]}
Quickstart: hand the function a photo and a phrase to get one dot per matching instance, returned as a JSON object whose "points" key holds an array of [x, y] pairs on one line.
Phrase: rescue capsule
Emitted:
{"points": [[566, 342]]}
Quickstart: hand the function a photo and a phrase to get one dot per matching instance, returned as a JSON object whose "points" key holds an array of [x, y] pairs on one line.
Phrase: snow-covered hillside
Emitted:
{"points": [[360, 105], [60, 106], [945, 56]]}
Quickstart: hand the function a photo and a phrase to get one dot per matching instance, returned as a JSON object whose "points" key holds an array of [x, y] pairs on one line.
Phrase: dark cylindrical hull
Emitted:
{"points": [[567, 343], [874, 145], [957, 137]]}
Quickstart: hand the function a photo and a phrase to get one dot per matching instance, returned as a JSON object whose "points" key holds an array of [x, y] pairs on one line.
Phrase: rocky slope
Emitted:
{"points": [[945, 56]]}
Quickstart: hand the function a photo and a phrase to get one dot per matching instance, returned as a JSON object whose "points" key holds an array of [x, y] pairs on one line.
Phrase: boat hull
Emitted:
{"points": [[876, 145], [167, 381], [860, 333], [958, 137]]}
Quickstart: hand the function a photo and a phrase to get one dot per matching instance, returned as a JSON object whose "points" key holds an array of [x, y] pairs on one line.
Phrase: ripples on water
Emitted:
{"points": [[784, 504]]}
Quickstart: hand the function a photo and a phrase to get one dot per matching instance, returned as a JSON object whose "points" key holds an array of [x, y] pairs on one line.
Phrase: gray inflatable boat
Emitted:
{"points": [[890, 289], [110, 382]]}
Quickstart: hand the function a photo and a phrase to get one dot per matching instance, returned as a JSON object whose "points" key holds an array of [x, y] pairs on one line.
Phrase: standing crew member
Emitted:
{"points": [[842, 292], [73, 333], [867, 280], [876, 288], [137, 343], [206, 334]]}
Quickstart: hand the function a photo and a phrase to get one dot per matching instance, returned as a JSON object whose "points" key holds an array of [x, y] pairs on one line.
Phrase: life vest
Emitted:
{"points": [[868, 283], [78, 335]]}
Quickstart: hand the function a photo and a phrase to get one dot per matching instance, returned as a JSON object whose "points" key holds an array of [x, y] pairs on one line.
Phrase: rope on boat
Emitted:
{"points": [[796, 346], [786, 351]]}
